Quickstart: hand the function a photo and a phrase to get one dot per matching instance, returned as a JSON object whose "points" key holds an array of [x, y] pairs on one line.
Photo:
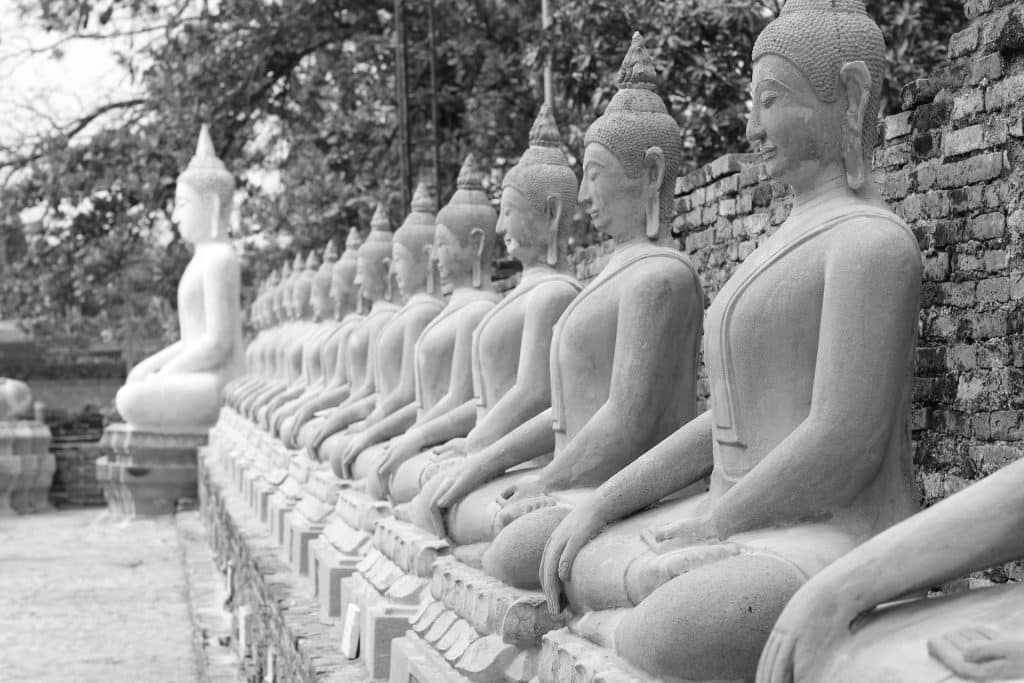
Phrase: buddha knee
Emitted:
{"points": [[711, 623], [514, 556]]}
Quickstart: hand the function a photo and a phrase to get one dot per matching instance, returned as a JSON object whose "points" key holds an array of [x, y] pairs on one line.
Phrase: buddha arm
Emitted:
{"points": [[220, 303], [325, 399], [155, 362], [619, 431], [938, 544], [344, 415], [392, 425], [865, 346], [450, 425], [682, 459], [530, 440], [531, 393]]}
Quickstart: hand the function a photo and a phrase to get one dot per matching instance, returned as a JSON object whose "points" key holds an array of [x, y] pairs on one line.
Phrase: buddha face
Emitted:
{"points": [[342, 286], [799, 136], [520, 224], [613, 200], [454, 259], [370, 276], [194, 214], [321, 298], [410, 272]]}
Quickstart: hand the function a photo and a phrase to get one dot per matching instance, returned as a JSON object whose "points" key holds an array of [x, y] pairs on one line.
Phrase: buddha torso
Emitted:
{"points": [[388, 366], [761, 393], [362, 351], [497, 340], [192, 314], [584, 345], [331, 355], [436, 346]]}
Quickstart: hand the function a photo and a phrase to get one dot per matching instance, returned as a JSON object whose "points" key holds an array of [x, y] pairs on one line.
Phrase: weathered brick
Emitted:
{"points": [[1006, 425], [897, 125], [958, 294], [936, 267], [932, 115], [994, 289], [975, 8], [892, 155], [963, 42], [961, 357], [985, 70], [987, 226], [996, 260], [970, 139], [727, 207], [969, 171], [1006, 92], [992, 457], [967, 104]]}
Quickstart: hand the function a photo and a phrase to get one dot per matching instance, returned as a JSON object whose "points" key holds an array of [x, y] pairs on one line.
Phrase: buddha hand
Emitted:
{"points": [[452, 449], [356, 445], [979, 654], [397, 452], [578, 528], [453, 487], [814, 624], [681, 533]]}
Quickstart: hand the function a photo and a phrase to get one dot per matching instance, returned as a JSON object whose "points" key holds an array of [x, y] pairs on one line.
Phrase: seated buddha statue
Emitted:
{"points": [[623, 363], [325, 327], [393, 369], [292, 352], [15, 399], [511, 347], [809, 353], [283, 301], [442, 367], [336, 387], [852, 621], [256, 362], [373, 268], [178, 389]]}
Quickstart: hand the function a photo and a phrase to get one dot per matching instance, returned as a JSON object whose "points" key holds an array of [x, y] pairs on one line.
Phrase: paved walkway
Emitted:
{"points": [[83, 599]]}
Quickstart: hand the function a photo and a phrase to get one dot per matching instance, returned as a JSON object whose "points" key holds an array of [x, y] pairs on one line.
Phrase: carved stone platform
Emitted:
{"points": [[568, 658], [150, 472]]}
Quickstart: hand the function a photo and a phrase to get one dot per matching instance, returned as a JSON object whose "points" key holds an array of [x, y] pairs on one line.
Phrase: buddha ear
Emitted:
{"points": [[553, 204], [476, 238], [654, 168], [856, 80]]}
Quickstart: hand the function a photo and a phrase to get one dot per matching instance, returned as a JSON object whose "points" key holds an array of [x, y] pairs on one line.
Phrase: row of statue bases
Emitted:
{"points": [[521, 488]]}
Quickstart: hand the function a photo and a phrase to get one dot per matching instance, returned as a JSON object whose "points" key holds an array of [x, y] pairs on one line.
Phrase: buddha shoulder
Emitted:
{"points": [[875, 242], [662, 274], [218, 255], [553, 294]]}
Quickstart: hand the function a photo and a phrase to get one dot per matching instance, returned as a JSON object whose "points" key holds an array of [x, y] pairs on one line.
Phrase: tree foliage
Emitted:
{"points": [[300, 97]]}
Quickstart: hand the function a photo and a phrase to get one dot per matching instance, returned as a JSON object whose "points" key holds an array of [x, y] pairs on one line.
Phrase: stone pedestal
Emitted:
{"points": [[150, 471]]}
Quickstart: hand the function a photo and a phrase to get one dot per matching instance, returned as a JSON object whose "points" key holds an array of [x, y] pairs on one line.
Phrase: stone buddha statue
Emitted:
{"points": [[373, 265], [623, 363], [179, 388], [282, 302], [298, 293], [256, 362], [809, 353], [852, 621], [393, 370], [442, 363], [511, 347], [335, 389]]}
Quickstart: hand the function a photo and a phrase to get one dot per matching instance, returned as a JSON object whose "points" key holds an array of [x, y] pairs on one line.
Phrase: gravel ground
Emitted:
{"points": [[85, 599]]}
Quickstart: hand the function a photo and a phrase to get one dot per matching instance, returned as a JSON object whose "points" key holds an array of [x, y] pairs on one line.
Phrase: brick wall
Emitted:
{"points": [[950, 165]]}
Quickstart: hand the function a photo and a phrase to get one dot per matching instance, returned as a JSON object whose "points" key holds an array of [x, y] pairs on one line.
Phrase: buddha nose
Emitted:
{"points": [[755, 131]]}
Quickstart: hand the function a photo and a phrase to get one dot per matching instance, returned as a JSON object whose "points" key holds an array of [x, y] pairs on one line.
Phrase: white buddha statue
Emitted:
{"points": [[178, 389]]}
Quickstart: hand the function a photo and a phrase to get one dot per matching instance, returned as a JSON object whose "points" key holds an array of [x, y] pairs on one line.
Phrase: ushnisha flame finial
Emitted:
{"points": [[330, 252], [637, 70]]}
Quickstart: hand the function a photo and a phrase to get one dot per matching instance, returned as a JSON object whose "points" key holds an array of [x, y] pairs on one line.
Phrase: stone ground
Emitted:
{"points": [[86, 599]]}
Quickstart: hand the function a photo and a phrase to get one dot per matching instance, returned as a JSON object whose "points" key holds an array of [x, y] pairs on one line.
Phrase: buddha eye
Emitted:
{"points": [[768, 100]]}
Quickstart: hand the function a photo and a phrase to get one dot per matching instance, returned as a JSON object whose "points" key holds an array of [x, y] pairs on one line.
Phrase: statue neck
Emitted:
{"points": [[833, 188], [536, 271]]}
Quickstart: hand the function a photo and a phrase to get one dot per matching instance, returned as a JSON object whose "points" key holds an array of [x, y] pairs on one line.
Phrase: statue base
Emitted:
{"points": [[150, 471]]}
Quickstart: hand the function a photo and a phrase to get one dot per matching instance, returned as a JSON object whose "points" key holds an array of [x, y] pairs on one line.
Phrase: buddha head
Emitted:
{"points": [[321, 295], [465, 231], [816, 92], [202, 200], [288, 281], [303, 291], [282, 297], [538, 197], [343, 276], [373, 269], [632, 155], [413, 243]]}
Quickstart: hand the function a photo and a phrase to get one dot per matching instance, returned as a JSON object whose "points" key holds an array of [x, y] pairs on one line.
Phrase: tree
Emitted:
{"points": [[301, 102]]}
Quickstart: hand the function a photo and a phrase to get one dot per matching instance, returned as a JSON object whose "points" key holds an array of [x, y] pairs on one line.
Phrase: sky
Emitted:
{"points": [[38, 89]]}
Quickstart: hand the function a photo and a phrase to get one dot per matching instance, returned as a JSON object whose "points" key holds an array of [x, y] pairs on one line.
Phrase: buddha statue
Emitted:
{"points": [[281, 300], [313, 378], [853, 621], [374, 278], [511, 347], [179, 388], [15, 399], [256, 362], [463, 242], [336, 388], [809, 353], [623, 363], [299, 294]]}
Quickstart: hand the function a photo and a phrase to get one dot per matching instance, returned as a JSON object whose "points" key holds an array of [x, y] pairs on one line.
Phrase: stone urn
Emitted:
{"points": [[10, 468]]}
